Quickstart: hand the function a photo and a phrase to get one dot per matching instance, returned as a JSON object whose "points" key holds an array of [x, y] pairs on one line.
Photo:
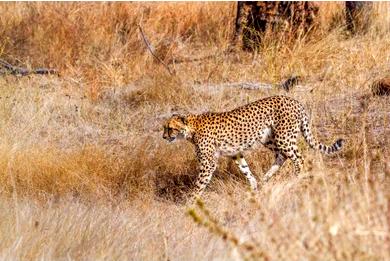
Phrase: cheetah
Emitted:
{"points": [[274, 122]]}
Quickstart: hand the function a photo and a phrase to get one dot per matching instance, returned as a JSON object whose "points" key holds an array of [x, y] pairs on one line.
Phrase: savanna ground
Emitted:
{"points": [[86, 175]]}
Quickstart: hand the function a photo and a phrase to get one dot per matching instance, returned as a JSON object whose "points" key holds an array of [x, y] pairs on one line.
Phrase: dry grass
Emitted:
{"points": [[86, 175]]}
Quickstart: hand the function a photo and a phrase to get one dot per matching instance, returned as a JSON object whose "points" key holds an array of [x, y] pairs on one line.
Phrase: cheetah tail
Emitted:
{"points": [[313, 143]]}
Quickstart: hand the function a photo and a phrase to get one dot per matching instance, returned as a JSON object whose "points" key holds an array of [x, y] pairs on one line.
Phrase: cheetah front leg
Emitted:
{"points": [[208, 164], [244, 168]]}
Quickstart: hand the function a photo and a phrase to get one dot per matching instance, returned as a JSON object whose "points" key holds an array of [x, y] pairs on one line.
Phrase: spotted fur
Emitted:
{"points": [[274, 122]]}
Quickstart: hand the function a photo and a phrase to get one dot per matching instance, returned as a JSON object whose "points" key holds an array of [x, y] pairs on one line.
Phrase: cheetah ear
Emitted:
{"points": [[181, 118]]}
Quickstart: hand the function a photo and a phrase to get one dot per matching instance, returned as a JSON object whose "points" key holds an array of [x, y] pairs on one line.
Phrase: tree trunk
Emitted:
{"points": [[358, 16], [255, 19]]}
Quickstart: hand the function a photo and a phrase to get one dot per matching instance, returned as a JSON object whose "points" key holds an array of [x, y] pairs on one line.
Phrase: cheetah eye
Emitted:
{"points": [[172, 131]]}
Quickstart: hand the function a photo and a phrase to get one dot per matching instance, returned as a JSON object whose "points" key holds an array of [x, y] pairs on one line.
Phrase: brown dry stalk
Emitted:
{"points": [[249, 249], [151, 48]]}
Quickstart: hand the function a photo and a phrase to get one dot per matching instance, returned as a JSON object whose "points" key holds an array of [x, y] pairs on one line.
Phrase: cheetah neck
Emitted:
{"points": [[191, 126]]}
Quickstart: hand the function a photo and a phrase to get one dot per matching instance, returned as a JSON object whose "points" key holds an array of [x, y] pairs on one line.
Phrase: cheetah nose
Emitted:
{"points": [[170, 139], [166, 137]]}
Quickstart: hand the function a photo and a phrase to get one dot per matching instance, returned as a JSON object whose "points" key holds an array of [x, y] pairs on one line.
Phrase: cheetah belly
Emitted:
{"points": [[251, 142], [265, 135]]}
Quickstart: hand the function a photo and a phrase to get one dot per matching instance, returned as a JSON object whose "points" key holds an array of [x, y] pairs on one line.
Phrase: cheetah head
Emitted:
{"points": [[176, 127]]}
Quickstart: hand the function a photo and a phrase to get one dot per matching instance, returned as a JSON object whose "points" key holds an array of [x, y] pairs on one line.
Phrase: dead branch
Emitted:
{"points": [[230, 49], [19, 71], [290, 82], [381, 87], [151, 48], [191, 60], [250, 85], [286, 84]]}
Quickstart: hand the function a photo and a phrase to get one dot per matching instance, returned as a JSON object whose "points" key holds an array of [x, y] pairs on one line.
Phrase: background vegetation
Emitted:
{"points": [[85, 174]]}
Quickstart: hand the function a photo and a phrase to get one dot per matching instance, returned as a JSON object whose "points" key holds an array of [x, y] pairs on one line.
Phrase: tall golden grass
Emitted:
{"points": [[85, 174]]}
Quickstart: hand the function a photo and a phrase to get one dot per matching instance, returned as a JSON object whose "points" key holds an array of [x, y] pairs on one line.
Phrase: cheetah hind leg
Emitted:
{"points": [[295, 156], [290, 150], [279, 161], [244, 169]]}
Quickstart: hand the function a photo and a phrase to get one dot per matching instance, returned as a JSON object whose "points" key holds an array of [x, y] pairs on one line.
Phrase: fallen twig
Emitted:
{"points": [[150, 48], [19, 71]]}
